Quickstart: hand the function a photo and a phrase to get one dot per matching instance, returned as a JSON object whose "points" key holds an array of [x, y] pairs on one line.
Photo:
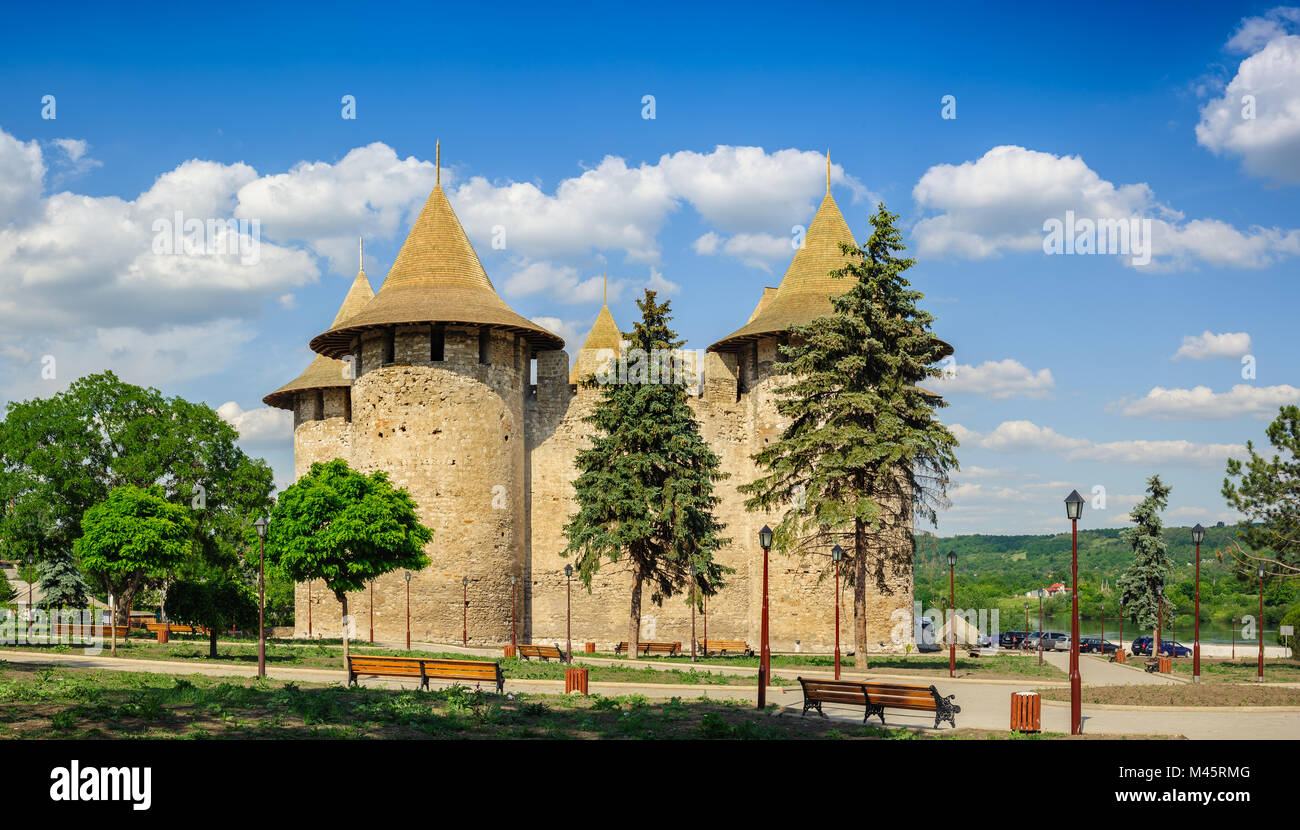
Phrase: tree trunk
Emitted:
{"points": [[212, 643], [343, 598], [859, 595], [634, 622]]}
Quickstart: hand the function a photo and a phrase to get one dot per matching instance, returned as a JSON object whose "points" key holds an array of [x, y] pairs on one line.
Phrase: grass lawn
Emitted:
{"points": [[1001, 666], [1203, 694], [1220, 670], [330, 656], [65, 702]]}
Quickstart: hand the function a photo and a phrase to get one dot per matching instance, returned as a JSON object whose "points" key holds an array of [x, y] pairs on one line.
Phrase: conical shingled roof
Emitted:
{"points": [[437, 278], [325, 372], [604, 335], [805, 291]]}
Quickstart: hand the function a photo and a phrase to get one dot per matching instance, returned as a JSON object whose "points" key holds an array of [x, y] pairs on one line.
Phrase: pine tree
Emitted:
{"points": [[62, 584], [1151, 565], [1267, 494], [863, 454], [645, 486]]}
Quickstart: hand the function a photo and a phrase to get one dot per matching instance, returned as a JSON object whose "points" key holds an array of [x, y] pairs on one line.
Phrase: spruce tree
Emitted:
{"points": [[645, 486], [1151, 565], [864, 453], [62, 584]]}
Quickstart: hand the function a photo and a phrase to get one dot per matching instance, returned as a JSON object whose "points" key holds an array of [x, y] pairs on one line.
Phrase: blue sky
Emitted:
{"points": [[1065, 365]]}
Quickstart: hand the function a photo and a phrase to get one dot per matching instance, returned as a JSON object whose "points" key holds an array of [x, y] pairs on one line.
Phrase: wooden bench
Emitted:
{"points": [[155, 627], [544, 652], [876, 697], [724, 646], [425, 668], [648, 648], [83, 631]]}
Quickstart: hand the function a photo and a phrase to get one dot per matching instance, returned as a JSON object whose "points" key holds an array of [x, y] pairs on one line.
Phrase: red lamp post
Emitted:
{"points": [[1041, 594], [261, 525], [514, 640], [1232, 626], [1121, 626], [309, 609], [464, 622], [1260, 572], [765, 654], [1073, 511], [408, 610], [372, 612], [952, 610], [706, 625], [837, 556], [1160, 619], [692, 601], [1026, 640], [1101, 644], [568, 613], [1198, 536]]}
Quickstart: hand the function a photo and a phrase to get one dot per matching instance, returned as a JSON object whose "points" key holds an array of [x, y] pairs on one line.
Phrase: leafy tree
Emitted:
{"points": [[62, 584], [645, 486], [345, 528], [1151, 564], [7, 592], [60, 456], [864, 453], [132, 536], [215, 606], [1268, 493], [1292, 619]]}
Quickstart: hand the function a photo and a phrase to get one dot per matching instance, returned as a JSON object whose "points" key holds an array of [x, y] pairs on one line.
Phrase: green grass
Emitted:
{"points": [[997, 666], [1241, 669]]}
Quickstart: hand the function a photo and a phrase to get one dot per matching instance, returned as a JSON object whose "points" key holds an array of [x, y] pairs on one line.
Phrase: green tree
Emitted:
{"points": [[1268, 493], [7, 592], [1146, 575], [346, 529], [62, 583], [864, 453], [133, 536], [645, 486], [212, 605], [61, 455]]}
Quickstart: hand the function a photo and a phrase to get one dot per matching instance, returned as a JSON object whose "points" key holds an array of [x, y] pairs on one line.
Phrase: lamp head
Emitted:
{"points": [[1260, 571], [464, 580], [1074, 506], [765, 538], [1198, 534], [568, 570], [261, 524], [408, 576], [952, 558], [837, 553]]}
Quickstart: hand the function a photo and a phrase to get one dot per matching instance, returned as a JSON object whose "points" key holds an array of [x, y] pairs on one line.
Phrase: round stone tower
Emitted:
{"points": [[441, 367]]}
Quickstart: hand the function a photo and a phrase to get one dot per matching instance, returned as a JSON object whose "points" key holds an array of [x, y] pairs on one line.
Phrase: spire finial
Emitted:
{"points": [[438, 162], [605, 298], [361, 254], [828, 171]]}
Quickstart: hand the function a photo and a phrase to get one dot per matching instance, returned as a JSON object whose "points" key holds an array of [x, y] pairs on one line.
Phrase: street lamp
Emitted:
{"points": [[952, 619], [408, 610], [692, 601], [1260, 572], [29, 589], [514, 642], [568, 611], [1025, 641], [261, 524], [309, 609], [1073, 511], [464, 630], [1198, 536], [1101, 644], [837, 555], [1041, 594], [1160, 619], [372, 611], [765, 654]]}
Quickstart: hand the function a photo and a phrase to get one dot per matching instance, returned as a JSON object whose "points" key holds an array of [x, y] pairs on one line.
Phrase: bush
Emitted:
{"points": [[1292, 619]]}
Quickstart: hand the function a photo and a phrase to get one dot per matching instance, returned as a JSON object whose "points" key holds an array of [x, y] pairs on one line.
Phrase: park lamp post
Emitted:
{"points": [[408, 610], [765, 654], [1198, 536], [29, 589], [952, 613], [1025, 641], [692, 601], [1073, 511], [514, 640], [372, 610], [1160, 619], [261, 524], [1041, 593], [568, 612], [1260, 572], [464, 609], [837, 556]]}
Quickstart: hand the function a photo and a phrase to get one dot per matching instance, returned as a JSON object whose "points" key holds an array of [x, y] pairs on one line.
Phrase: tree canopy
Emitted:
{"points": [[1268, 494], [864, 452], [216, 606], [645, 485]]}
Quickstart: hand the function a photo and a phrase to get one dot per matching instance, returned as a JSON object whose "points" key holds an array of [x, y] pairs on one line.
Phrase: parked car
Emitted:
{"points": [[926, 643], [1056, 640], [1168, 648], [1012, 639], [1095, 645]]}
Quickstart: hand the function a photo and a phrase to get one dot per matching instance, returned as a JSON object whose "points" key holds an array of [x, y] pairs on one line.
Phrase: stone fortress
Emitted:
{"points": [[429, 380]]}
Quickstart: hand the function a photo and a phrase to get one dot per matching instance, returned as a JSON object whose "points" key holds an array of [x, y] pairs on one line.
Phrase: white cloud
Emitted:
{"points": [[1202, 403], [1208, 344], [757, 250], [996, 380], [559, 282], [660, 284], [22, 170], [1025, 436], [261, 426], [1268, 143], [572, 331], [1000, 202]]}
